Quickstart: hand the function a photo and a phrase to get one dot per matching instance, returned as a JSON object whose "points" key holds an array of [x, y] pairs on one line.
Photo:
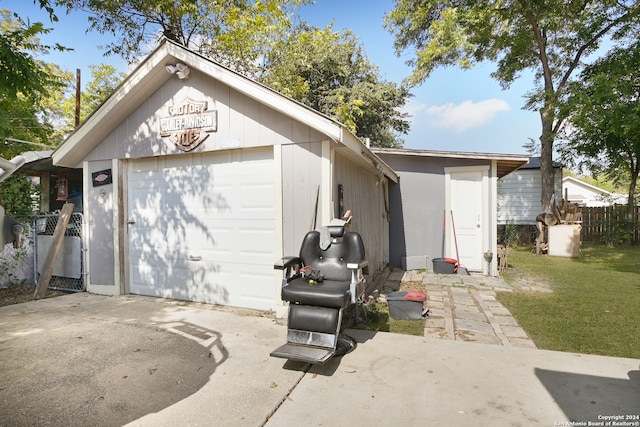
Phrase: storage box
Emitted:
{"points": [[406, 304], [444, 265], [564, 240]]}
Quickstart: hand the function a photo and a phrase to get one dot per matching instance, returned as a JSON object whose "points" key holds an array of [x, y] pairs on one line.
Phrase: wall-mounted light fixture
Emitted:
{"points": [[180, 70], [63, 189]]}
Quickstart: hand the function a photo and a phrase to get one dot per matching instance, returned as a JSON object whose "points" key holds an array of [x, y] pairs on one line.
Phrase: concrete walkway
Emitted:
{"points": [[85, 359], [463, 307]]}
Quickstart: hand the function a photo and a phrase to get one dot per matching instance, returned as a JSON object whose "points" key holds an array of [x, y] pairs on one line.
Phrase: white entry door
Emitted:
{"points": [[467, 193], [201, 227]]}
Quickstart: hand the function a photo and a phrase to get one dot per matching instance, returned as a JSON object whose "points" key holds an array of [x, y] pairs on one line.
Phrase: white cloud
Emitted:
{"points": [[414, 109], [466, 115]]}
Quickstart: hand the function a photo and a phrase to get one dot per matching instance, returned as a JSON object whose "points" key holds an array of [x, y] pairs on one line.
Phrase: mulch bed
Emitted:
{"points": [[17, 294]]}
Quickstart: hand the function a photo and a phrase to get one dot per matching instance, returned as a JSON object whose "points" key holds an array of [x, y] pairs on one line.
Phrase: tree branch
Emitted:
{"points": [[576, 60]]}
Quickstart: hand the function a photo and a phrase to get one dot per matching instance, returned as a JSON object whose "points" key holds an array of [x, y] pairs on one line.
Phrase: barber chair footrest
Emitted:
{"points": [[302, 353], [315, 355]]}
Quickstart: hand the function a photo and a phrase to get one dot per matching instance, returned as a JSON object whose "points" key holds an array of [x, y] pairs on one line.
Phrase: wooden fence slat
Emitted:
{"points": [[598, 222]]}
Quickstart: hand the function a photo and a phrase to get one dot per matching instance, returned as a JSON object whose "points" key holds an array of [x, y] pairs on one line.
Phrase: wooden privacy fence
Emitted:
{"points": [[607, 223]]}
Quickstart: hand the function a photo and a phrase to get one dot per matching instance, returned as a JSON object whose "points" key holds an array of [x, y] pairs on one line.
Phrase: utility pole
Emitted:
{"points": [[77, 97]]}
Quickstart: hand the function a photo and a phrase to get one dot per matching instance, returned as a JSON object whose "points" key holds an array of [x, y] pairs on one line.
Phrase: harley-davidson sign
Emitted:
{"points": [[189, 124]]}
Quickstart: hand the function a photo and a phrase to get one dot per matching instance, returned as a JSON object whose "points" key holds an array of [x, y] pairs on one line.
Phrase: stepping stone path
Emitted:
{"points": [[462, 307]]}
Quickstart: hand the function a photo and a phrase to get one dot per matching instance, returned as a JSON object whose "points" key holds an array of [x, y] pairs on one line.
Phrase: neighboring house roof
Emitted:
{"points": [[151, 74], [8, 167], [30, 163], [534, 163], [581, 192], [506, 163]]}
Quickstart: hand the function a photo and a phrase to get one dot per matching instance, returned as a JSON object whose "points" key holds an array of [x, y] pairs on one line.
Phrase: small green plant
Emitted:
{"points": [[616, 234], [20, 197], [511, 235]]}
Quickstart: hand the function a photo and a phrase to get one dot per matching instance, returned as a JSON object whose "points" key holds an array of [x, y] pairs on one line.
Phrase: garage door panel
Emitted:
{"points": [[236, 241], [144, 273], [247, 284], [257, 243], [159, 239], [203, 228], [235, 284], [256, 198]]}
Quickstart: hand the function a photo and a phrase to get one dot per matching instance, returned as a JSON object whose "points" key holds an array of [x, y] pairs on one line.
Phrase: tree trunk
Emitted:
{"points": [[630, 226], [546, 162]]}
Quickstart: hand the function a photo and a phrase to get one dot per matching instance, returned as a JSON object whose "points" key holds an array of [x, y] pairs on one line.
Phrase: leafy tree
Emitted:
{"points": [[323, 69], [235, 33], [605, 119], [19, 196], [613, 185], [550, 37], [20, 71], [104, 80], [329, 71], [25, 84]]}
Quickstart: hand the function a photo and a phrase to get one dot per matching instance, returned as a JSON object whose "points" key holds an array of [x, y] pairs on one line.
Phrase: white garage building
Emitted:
{"points": [[194, 187]]}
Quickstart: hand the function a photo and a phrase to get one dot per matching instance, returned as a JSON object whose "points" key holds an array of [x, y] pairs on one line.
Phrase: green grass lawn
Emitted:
{"points": [[595, 304]]}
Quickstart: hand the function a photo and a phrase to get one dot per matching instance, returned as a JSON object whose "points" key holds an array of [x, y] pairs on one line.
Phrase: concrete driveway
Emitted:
{"points": [[84, 359]]}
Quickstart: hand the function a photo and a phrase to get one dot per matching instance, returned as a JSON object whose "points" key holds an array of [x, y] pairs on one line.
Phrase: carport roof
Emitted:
{"points": [[151, 74], [506, 163]]}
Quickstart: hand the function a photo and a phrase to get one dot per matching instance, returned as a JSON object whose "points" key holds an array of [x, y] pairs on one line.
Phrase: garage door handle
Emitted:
{"points": [[195, 258], [131, 221]]}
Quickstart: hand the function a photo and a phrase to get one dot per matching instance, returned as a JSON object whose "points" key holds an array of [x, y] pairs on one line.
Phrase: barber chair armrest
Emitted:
{"points": [[364, 266], [358, 271], [287, 262], [291, 268]]}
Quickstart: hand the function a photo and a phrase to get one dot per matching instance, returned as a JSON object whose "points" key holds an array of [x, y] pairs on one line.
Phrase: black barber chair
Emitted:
{"points": [[320, 285]]}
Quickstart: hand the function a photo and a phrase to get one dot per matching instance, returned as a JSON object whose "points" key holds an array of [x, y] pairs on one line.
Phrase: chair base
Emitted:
{"points": [[345, 345]]}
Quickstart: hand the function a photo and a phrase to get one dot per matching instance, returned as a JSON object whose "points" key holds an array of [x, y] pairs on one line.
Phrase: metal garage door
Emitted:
{"points": [[201, 227]]}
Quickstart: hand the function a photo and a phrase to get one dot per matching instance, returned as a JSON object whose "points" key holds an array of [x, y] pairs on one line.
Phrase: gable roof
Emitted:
{"points": [[578, 191], [506, 163], [534, 163], [151, 74], [586, 185]]}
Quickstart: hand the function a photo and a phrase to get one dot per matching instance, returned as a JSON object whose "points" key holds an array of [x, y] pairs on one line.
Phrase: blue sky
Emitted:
{"points": [[453, 110]]}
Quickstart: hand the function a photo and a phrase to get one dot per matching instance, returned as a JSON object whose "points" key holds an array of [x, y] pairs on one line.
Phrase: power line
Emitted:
{"points": [[6, 140]]}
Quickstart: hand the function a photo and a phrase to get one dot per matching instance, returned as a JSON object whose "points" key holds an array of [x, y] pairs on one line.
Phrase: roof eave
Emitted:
{"points": [[506, 163], [355, 145]]}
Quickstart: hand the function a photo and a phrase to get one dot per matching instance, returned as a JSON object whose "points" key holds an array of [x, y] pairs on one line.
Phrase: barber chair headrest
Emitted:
{"points": [[336, 230]]}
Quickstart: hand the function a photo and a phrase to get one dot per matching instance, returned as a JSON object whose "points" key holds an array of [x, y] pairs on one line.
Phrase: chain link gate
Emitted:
{"points": [[69, 271]]}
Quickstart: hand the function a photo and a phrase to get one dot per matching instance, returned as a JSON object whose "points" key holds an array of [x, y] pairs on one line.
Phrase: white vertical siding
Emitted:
{"points": [[301, 178], [242, 122], [364, 195], [99, 215], [519, 196]]}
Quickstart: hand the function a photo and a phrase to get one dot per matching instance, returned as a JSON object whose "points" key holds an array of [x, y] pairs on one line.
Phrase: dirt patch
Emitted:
{"points": [[533, 284], [413, 286], [17, 294]]}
